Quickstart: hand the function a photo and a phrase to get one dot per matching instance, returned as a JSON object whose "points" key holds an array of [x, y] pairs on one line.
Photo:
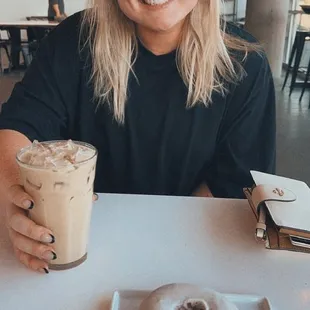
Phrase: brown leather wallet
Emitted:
{"points": [[274, 236]]}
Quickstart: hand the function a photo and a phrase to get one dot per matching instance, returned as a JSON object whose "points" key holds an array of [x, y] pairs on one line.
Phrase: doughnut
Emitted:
{"points": [[182, 296]]}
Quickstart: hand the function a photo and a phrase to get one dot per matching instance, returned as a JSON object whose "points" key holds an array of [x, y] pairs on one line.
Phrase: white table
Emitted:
{"points": [[141, 242], [26, 24]]}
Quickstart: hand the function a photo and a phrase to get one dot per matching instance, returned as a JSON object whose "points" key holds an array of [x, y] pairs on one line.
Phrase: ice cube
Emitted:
{"points": [[56, 154]]}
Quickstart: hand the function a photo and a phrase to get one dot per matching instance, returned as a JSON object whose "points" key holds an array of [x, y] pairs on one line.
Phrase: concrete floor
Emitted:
{"points": [[293, 129], [293, 134]]}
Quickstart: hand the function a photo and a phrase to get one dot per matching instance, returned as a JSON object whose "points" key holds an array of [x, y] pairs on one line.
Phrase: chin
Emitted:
{"points": [[163, 26]]}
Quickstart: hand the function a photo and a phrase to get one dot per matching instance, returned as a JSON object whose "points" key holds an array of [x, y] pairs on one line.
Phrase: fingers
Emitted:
{"points": [[34, 248], [31, 261], [20, 198], [95, 197], [203, 191], [31, 253], [19, 222], [31, 242]]}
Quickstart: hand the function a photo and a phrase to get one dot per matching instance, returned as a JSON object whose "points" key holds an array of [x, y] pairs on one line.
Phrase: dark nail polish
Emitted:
{"points": [[54, 256], [53, 238], [46, 270], [31, 205]]}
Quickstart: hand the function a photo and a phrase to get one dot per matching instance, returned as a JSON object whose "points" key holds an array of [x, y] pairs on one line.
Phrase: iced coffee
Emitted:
{"points": [[59, 176]]}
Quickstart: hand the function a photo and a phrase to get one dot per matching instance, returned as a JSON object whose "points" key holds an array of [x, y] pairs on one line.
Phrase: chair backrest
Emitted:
{"points": [[4, 35]]}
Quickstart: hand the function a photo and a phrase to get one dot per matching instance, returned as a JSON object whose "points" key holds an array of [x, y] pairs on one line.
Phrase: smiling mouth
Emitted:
{"points": [[155, 2]]}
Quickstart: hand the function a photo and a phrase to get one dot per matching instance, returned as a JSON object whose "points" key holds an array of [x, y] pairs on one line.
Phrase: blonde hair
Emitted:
{"points": [[203, 54]]}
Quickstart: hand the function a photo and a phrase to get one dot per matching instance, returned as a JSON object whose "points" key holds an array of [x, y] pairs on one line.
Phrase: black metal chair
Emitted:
{"points": [[25, 47], [302, 35], [305, 83], [297, 51]]}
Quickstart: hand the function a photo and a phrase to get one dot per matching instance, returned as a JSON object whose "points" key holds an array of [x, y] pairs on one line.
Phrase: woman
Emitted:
{"points": [[171, 99]]}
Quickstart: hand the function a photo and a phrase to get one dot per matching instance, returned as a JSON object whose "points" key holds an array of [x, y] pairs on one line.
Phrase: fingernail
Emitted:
{"points": [[28, 204], [44, 270], [53, 239], [49, 255], [96, 197], [47, 238]]}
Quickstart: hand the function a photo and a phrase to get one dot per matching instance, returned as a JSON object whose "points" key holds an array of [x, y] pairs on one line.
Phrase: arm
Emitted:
{"points": [[54, 4], [37, 109], [42, 105], [39, 105], [10, 143], [246, 140], [56, 10]]}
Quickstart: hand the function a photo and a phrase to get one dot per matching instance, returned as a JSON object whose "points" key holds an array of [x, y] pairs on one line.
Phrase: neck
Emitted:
{"points": [[160, 42]]}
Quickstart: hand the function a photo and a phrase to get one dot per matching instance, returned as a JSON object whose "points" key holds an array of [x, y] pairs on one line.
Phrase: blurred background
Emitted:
{"points": [[282, 26], [13, 10]]}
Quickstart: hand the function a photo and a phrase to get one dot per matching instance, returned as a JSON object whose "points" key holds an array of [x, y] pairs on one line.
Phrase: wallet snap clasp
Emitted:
{"points": [[264, 193], [278, 191]]}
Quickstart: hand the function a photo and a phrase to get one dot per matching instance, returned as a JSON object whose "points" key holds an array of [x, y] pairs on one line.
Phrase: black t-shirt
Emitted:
{"points": [[163, 147], [51, 11]]}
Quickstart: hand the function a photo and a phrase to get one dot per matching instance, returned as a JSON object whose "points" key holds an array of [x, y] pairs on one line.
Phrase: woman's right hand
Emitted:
{"points": [[33, 244]]}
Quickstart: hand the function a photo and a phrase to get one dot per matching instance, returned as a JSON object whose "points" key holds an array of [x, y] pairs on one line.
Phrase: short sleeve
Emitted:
{"points": [[41, 105], [53, 2], [247, 137]]}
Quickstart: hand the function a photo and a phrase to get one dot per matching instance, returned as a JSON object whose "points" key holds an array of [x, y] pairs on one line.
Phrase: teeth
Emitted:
{"points": [[155, 2]]}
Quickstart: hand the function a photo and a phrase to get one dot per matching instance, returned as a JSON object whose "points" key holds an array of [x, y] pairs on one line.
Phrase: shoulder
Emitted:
{"points": [[67, 31], [253, 57], [254, 63], [64, 44], [60, 55], [238, 32], [254, 69]]}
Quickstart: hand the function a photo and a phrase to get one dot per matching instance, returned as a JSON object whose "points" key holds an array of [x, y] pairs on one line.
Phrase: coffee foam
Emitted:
{"points": [[55, 154]]}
